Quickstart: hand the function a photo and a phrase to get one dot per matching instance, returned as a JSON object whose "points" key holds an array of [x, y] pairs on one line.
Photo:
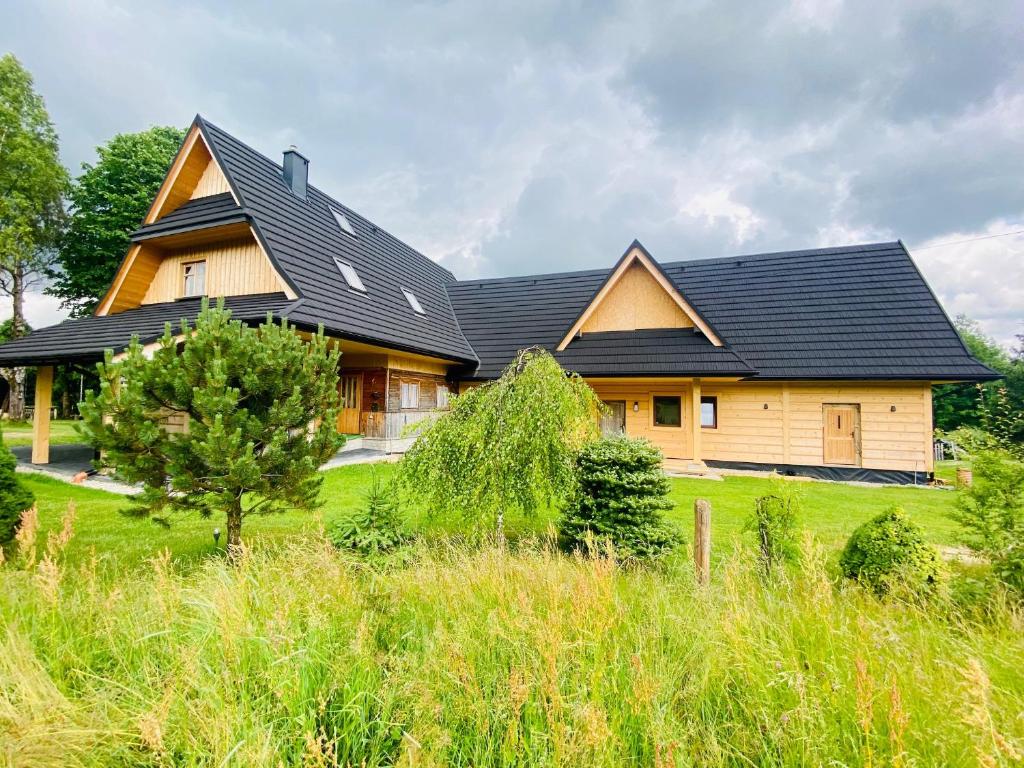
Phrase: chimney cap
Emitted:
{"points": [[294, 150]]}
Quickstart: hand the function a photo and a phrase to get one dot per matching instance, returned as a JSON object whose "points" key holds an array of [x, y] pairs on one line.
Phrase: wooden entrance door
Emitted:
{"points": [[613, 423], [841, 433], [351, 386]]}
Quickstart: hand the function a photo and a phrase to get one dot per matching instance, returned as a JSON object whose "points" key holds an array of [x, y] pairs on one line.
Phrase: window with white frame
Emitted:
{"points": [[410, 394], [413, 302], [343, 221], [195, 278], [349, 273], [442, 395]]}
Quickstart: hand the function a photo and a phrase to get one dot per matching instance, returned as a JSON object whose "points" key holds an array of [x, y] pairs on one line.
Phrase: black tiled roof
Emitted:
{"points": [[86, 339], [834, 313], [657, 352], [194, 214], [303, 239], [860, 312]]}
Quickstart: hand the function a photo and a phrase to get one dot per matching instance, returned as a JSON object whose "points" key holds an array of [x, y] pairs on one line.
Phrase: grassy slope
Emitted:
{"points": [[20, 432], [831, 510]]}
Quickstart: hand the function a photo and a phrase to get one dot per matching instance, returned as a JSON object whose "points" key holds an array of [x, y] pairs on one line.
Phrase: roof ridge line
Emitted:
{"points": [[330, 198]]}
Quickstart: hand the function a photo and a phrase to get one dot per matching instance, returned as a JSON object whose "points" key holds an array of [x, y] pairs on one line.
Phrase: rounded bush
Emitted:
{"points": [[620, 495], [889, 551]]}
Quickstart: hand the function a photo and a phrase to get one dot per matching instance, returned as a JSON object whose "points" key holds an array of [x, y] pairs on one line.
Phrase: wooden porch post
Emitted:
{"points": [[41, 415], [696, 422]]}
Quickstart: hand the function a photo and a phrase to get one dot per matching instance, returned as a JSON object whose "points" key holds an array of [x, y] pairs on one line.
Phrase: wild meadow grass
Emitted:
{"points": [[491, 655]]}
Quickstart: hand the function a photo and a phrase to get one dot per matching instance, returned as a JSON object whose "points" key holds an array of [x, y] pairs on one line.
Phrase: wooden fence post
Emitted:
{"points": [[702, 539]]}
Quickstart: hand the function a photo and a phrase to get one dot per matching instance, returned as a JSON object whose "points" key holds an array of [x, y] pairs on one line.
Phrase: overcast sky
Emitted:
{"points": [[546, 136]]}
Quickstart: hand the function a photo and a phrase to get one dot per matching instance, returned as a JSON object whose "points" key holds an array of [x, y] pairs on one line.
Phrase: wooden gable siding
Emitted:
{"points": [[238, 268], [191, 168], [633, 258], [212, 182], [636, 301]]}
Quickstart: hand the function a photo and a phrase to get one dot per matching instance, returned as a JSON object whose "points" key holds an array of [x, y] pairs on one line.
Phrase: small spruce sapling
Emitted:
{"points": [[377, 527], [619, 498]]}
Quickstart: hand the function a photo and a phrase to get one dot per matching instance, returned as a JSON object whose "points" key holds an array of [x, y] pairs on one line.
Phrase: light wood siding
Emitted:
{"points": [[746, 431], [636, 301], [212, 182], [232, 269], [790, 429], [674, 442], [899, 439], [417, 365]]}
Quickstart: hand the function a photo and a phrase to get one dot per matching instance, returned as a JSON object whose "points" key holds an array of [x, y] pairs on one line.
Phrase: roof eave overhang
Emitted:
{"points": [[375, 341], [938, 378], [147, 234]]}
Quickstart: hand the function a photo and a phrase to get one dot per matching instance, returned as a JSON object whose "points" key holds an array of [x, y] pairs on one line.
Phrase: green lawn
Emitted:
{"points": [[20, 432], [832, 511]]}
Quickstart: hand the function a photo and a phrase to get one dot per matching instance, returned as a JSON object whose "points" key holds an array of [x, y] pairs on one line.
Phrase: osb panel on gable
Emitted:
{"points": [[636, 301]]}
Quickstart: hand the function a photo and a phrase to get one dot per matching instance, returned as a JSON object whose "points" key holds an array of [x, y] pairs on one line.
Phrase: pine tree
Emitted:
{"points": [[261, 407], [15, 498]]}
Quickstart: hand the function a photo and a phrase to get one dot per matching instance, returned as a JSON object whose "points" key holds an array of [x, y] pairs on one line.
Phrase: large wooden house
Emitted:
{"points": [[816, 362]]}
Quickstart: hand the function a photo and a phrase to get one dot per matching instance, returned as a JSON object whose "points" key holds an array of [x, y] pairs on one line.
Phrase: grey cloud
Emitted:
{"points": [[526, 137]]}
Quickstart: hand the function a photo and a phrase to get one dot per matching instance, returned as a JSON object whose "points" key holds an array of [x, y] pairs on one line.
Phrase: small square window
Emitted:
{"points": [[350, 275], [343, 222], [442, 396], [413, 302], [709, 412], [668, 411], [195, 278], [410, 394]]}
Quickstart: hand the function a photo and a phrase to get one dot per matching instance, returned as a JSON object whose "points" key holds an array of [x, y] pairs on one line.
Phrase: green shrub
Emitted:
{"points": [[774, 520], [889, 551], [992, 514], [15, 498], [374, 530], [620, 495]]}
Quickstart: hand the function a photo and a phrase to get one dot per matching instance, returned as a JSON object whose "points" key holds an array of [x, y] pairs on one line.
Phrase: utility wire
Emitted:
{"points": [[968, 240]]}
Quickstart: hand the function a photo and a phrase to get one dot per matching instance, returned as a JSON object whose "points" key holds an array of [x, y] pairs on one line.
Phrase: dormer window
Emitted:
{"points": [[195, 278], [343, 222], [350, 275], [413, 302]]}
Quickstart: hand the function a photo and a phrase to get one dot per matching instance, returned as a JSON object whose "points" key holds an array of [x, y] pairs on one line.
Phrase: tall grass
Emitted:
{"points": [[483, 656]]}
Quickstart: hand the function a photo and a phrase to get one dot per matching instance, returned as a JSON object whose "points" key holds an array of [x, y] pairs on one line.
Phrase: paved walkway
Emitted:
{"points": [[67, 461]]}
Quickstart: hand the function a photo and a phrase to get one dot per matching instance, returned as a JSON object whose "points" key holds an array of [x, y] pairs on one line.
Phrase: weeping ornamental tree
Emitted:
{"points": [[260, 407], [506, 446]]}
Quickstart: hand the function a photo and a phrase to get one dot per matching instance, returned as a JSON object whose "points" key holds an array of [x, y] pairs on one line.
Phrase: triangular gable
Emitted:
{"points": [[637, 294], [195, 172]]}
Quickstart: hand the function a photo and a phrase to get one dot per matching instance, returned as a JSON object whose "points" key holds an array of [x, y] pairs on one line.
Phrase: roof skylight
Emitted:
{"points": [[413, 302], [350, 275], [343, 221]]}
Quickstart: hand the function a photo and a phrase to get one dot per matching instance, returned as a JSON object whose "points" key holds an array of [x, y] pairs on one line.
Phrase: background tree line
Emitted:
{"points": [[964, 405], [70, 234]]}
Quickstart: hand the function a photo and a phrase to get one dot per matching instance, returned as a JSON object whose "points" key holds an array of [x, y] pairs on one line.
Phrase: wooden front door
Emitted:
{"points": [[841, 434], [350, 385], [613, 423]]}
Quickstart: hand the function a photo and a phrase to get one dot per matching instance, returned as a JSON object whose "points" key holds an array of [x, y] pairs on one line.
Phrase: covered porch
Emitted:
{"points": [[673, 413]]}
